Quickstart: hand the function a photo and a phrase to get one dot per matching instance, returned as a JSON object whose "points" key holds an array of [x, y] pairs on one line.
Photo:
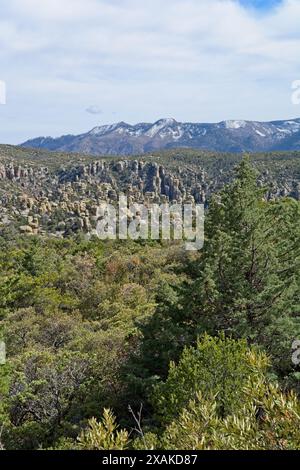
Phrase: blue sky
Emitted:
{"points": [[70, 65], [261, 4]]}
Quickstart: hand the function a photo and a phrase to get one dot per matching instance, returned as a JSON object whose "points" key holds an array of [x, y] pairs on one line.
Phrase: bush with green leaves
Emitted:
{"points": [[266, 419], [220, 397], [103, 435], [220, 368]]}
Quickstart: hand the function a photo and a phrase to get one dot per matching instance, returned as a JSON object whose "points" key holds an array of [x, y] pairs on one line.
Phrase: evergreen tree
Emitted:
{"points": [[245, 282], [248, 274]]}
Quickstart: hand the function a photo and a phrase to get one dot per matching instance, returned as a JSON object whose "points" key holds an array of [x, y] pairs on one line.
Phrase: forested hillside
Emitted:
{"points": [[143, 345]]}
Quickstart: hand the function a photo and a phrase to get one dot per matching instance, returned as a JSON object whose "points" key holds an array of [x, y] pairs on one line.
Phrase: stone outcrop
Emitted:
{"points": [[67, 199]]}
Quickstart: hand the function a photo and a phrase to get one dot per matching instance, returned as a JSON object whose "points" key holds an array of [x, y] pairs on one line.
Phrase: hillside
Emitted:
{"points": [[58, 193], [197, 347], [227, 136]]}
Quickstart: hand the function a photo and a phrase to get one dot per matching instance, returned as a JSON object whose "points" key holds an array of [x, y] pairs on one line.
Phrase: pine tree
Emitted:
{"points": [[248, 275]]}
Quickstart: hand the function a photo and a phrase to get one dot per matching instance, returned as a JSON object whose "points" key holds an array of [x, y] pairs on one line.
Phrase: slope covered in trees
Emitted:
{"points": [[114, 345]]}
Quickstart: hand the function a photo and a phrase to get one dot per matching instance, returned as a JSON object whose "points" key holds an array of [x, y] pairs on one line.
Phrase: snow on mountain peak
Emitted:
{"points": [[101, 130], [159, 126], [167, 121], [231, 135], [235, 124]]}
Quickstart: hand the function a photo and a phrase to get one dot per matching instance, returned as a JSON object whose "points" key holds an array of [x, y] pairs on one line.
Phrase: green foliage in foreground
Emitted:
{"points": [[201, 341], [218, 367], [221, 411], [68, 312]]}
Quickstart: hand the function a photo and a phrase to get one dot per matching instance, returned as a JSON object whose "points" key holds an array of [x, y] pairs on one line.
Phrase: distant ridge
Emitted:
{"points": [[226, 136]]}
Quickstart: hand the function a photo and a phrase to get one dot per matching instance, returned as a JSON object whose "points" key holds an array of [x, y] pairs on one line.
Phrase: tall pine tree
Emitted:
{"points": [[248, 276]]}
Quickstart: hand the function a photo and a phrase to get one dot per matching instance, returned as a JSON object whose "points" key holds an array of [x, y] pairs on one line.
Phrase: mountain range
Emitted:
{"points": [[226, 136]]}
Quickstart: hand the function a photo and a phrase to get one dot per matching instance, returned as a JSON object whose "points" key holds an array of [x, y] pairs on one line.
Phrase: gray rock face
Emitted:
{"points": [[226, 136], [67, 197]]}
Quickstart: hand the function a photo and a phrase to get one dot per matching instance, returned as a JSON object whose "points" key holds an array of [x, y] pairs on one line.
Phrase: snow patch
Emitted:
{"points": [[159, 125], [260, 133], [101, 130], [235, 124], [293, 125]]}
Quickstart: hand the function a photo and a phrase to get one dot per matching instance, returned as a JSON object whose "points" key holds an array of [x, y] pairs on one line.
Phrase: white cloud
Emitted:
{"points": [[57, 10], [196, 60], [94, 109]]}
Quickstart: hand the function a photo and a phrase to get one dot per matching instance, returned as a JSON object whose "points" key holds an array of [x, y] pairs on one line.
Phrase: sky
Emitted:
{"points": [[70, 65]]}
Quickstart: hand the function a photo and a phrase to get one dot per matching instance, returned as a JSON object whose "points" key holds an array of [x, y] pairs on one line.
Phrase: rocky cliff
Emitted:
{"points": [[60, 195]]}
